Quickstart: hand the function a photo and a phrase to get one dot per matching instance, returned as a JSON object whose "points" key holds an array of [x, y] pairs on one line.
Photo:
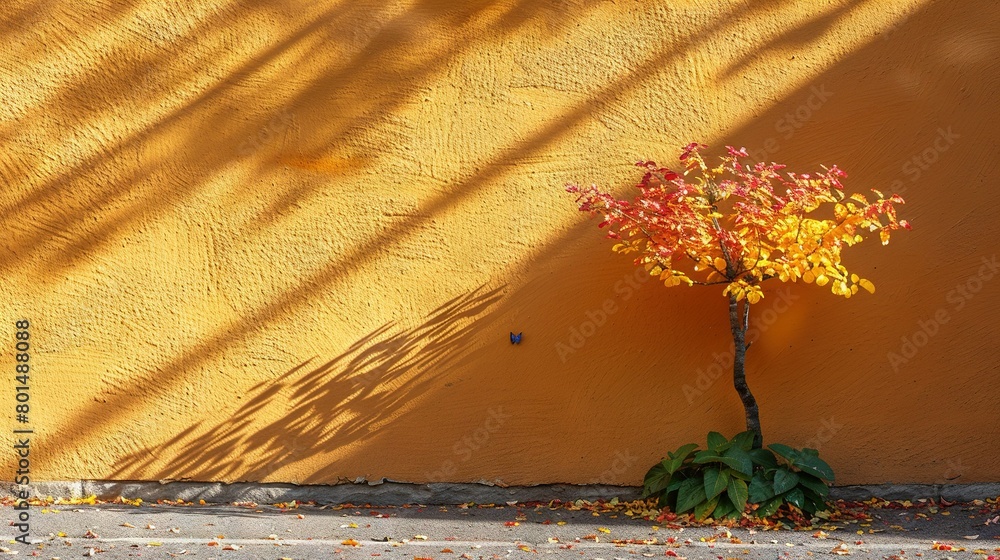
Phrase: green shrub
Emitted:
{"points": [[800, 479], [722, 479]]}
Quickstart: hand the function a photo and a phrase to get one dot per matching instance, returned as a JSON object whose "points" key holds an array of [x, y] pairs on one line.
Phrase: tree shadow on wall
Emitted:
{"points": [[81, 207], [331, 405]]}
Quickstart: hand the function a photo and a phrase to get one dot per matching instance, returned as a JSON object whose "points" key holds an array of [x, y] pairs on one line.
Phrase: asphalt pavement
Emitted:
{"points": [[876, 530]]}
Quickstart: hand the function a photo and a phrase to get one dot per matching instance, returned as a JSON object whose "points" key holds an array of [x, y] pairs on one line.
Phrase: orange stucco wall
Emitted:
{"points": [[286, 241]]}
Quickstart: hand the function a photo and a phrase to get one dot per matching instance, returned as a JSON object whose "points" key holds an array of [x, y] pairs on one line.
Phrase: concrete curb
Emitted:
{"points": [[443, 493]]}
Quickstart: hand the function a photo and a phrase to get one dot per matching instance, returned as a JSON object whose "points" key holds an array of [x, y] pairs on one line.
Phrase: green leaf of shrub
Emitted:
{"points": [[786, 453], [716, 441], [678, 457], [743, 440], [814, 466], [796, 498], [763, 458], [724, 509], [690, 494], [815, 484], [760, 489], [656, 479], [738, 493], [784, 480], [704, 509], [768, 508], [706, 456], [738, 474], [715, 482], [814, 504], [739, 460]]}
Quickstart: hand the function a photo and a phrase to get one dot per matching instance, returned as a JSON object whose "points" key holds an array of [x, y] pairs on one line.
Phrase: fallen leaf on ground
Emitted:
{"points": [[841, 550]]}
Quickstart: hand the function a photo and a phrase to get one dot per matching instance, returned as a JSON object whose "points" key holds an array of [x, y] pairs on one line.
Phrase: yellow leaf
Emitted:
{"points": [[867, 285], [604, 529], [808, 277], [822, 280], [884, 235], [350, 542], [839, 211]]}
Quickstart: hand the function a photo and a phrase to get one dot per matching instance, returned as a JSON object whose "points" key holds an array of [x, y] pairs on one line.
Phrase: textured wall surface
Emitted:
{"points": [[286, 241]]}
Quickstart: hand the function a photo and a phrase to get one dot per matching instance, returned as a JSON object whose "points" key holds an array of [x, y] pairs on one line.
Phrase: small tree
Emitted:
{"points": [[740, 225]]}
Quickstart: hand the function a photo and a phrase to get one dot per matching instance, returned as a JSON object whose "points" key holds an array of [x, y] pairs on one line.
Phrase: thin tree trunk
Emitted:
{"points": [[739, 317]]}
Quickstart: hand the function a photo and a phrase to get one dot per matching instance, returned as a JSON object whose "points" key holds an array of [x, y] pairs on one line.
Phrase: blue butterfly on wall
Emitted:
{"points": [[515, 338]]}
